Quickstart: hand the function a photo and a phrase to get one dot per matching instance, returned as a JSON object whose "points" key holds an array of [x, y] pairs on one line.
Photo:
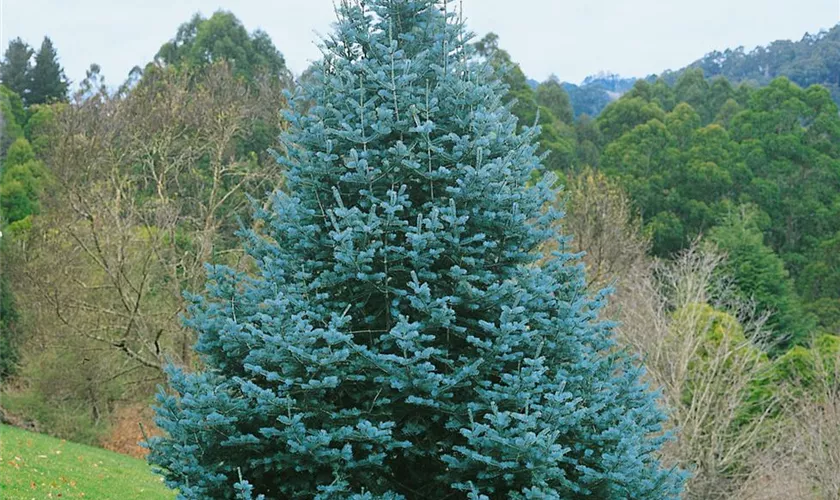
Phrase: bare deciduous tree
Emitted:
{"points": [[698, 344], [705, 356], [149, 184], [604, 225], [805, 464]]}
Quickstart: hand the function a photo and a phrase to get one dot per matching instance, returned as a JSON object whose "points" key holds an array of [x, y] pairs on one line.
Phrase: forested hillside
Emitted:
{"points": [[708, 198], [813, 60]]}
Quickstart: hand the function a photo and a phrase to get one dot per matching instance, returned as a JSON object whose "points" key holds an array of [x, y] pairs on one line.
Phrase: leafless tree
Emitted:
{"points": [[806, 463], [698, 344], [147, 187], [603, 224]]}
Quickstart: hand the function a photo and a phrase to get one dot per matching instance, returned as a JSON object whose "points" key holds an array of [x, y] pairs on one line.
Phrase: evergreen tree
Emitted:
{"points": [[759, 275], [403, 336], [48, 82], [15, 70]]}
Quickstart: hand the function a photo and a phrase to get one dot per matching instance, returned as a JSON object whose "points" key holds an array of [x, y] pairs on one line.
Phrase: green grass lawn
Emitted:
{"points": [[38, 466]]}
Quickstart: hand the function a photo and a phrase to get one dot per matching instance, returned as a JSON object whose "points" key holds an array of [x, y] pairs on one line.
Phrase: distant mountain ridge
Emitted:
{"points": [[815, 59], [594, 93]]}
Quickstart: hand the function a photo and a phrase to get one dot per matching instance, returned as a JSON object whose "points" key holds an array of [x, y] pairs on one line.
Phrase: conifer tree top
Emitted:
{"points": [[48, 83]]}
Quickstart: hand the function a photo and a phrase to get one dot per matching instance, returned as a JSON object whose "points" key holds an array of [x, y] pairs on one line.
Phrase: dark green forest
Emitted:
{"points": [[692, 153], [707, 197]]}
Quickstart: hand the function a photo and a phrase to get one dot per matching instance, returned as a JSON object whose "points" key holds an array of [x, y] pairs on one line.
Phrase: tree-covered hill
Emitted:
{"points": [[813, 60], [596, 92]]}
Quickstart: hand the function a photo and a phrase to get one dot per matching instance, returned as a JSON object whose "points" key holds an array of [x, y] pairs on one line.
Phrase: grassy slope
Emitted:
{"points": [[37, 466]]}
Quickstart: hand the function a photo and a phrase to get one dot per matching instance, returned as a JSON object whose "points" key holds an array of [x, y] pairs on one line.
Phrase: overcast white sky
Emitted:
{"points": [[570, 38]]}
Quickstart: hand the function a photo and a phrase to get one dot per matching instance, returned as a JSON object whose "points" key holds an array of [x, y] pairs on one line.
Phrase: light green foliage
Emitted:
{"points": [[13, 110], [715, 374], [15, 206], [40, 127], [19, 152], [808, 369], [12, 115], [721, 333], [18, 192], [38, 466], [21, 182], [22, 179]]}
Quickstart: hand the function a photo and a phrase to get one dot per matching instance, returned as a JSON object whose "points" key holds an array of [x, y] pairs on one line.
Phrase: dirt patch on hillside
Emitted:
{"points": [[126, 433]]}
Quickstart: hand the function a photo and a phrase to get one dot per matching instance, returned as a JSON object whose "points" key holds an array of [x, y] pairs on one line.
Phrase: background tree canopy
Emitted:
{"points": [[222, 37]]}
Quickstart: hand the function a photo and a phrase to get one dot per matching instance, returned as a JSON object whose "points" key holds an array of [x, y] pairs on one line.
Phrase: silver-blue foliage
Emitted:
{"points": [[404, 336]]}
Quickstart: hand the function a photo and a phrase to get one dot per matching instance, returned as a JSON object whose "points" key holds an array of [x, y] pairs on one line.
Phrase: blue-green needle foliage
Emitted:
{"points": [[404, 336]]}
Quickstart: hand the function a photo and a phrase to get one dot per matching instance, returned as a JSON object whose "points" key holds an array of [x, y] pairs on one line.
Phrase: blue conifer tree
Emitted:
{"points": [[403, 336]]}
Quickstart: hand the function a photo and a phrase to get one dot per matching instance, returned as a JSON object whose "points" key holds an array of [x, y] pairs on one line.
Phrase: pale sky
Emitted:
{"points": [[570, 38]]}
